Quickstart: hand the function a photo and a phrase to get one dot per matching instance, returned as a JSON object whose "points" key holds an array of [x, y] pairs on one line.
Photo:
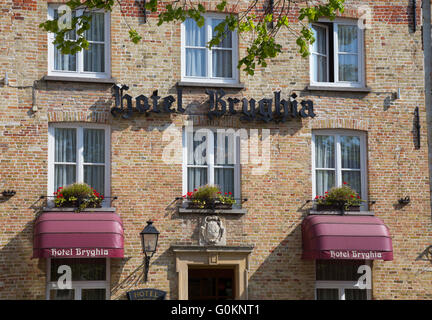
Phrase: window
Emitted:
{"points": [[211, 157], [91, 63], [339, 156], [338, 280], [337, 54], [79, 153], [199, 64], [90, 279]]}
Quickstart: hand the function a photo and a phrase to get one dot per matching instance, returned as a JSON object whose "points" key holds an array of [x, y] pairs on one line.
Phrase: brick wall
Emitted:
{"points": [[146, 186]]}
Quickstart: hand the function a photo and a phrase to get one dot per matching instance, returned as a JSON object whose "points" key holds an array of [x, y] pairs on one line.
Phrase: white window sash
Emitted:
{"points": [[338, 161], [360, 56], [79, 157], [77, 286], [210, 162], [209, 59], [80, 55]]}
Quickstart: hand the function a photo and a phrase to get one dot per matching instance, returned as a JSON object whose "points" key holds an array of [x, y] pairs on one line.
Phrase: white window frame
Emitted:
{"points": [[361, 64], [341, 285], [79, 285], [80, 55], [210, 161], [209, 78], [79, 156], [337, 133]]}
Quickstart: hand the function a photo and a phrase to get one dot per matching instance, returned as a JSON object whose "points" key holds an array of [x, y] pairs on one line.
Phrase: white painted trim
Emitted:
{"points": [[209, 79], [80, 58], [77, 286], [336, 133], [361, 57], [80, 149]]}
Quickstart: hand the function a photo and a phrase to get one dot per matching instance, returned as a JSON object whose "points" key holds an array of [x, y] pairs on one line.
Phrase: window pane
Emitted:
{"points": [[194, 36], [64, 174], [65, 145], [64, 62], [224, 178], [227, 40], [222, 63], [86, 269], [320, 44], [97, 27], [327, 294], [355, 294], [224, 149], [196, 62], [94, 176], [353, 178], [350, 150], [197, 155], [348, 67], [94, 58], [94, 146], [320, 68], [93, 294], [331, 270], [325, 180], [196, 177], [65, 294], [324, 152], [347, 37]]}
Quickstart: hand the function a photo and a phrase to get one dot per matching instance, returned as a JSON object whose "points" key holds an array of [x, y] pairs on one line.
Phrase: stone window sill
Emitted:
{"points": [[345, 213], [340, 89], [234, 211], [80, 79], [210, 85], [107, 209]]}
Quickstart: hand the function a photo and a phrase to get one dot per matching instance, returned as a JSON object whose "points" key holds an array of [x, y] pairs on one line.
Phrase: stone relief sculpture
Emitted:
{"points": [[212, 232]]}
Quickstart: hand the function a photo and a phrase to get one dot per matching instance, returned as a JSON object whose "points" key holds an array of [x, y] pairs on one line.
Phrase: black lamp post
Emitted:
{"points": [[149, 239]]}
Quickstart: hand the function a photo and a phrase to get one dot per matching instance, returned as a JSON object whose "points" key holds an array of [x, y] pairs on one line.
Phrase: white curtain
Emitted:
{"points": [[222, 59], [195, 56], [319, 54], [94, 57], [350, 152], [65, 62], [324, 158], [94, 159], [64, 157], [224, 156], [197, 160], [348, 53]]}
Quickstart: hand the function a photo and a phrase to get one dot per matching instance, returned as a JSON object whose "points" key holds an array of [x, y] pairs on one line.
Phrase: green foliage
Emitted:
{"points": [[342, 195], [78, 195], [263, 46], [208, 195]]}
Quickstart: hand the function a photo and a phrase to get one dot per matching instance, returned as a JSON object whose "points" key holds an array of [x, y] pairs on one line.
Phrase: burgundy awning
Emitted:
{"points": [[78, 235], [346, 237]]}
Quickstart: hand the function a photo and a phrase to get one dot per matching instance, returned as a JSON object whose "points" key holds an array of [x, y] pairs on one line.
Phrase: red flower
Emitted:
{"points": [[184, 196], [219, 192], [229, 193], [344, 182], [352, 196], [102, 197], [195, 189], [326, 192], [358, 197], [226, 193], [316, 197]]}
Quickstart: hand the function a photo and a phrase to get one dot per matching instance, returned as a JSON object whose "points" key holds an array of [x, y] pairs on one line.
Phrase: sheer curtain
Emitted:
{"points": [[224, 160], [196, 160], [319, 54], [324, 159], [65, 62], [195, 49], [348, 53], [222, 54], [94, 159], [64, 157], [350, 152], [94, 57]]}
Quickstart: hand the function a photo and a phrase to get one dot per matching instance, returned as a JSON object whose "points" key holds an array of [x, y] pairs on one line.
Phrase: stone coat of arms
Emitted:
{"points": [[212, 231]]}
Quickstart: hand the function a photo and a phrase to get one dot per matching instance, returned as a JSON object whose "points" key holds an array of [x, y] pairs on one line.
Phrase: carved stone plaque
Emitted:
{"points": [[212, 232]]}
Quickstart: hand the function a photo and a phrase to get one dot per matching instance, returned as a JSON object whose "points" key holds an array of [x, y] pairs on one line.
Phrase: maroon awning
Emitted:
{"points": [[78, 235], [346, 237]]}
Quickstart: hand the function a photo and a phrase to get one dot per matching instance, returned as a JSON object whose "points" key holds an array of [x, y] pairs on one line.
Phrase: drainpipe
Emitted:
{"points": [[427, 40]]}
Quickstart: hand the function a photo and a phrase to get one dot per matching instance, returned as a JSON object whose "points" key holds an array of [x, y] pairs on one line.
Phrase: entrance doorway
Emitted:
{"points": [[211, 283]]}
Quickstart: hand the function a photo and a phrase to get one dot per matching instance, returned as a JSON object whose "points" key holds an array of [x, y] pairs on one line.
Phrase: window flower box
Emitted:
{"points": [[339, 199], [209, 197], [77, 195]]}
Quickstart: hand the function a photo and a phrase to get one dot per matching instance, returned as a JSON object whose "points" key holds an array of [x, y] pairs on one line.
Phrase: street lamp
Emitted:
{"points": [[149, 239]]}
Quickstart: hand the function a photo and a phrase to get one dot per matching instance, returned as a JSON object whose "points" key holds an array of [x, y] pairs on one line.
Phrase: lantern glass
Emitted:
{"points": [[149, 242]]}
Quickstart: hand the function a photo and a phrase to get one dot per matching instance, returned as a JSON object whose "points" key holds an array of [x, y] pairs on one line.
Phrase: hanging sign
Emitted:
{"points": [[146, 294], [267, 109]]}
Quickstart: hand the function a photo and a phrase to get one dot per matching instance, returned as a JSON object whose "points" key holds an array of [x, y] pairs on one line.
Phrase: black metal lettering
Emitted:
{"points": [[231, 103], [155, 99], [142, 104], [180, 100], [277, 104], [248, 113], [167, 103], [265, 109], [286, 107], [217, 100], [129, 109]]}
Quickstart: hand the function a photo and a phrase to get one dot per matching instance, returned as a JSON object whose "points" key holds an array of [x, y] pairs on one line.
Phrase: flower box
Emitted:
{"points": [[334, 207]]}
